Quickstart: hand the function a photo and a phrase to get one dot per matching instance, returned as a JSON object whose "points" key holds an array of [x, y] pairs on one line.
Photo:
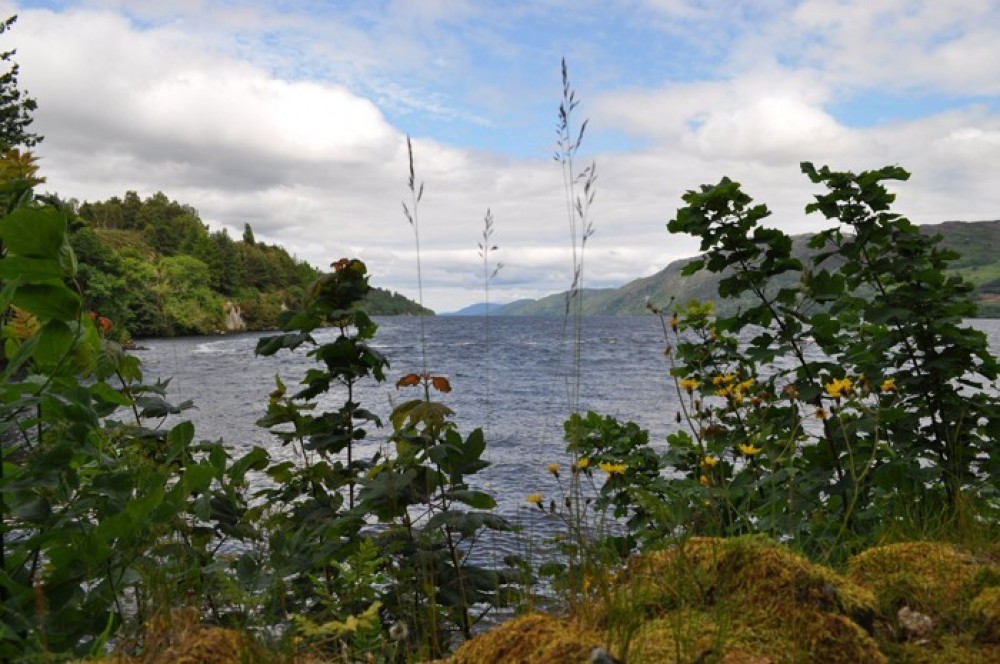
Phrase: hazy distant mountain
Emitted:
{"points": [[977, 242], [479, 309]]}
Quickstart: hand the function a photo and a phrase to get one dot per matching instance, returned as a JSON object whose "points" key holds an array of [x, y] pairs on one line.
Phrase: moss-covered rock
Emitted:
{"points": [[745, 599], [535, 637], [957, 590]]}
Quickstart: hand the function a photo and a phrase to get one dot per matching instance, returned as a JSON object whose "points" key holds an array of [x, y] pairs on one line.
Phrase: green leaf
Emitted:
{"points": [[55, 341], [181, 434], [478, 499], [24, 352], [159, 407], [48, 301], [255, 459], [30, 269], [692, 267], [104, 392], [34, 232]]}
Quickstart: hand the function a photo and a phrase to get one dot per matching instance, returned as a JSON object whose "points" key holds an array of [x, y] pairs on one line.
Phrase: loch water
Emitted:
{"points": [[529, 362]]}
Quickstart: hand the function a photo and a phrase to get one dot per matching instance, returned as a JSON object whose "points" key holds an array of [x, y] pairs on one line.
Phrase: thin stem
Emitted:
{"points": [[412, 215]]}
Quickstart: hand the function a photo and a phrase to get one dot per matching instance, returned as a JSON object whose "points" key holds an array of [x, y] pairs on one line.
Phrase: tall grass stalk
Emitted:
{"points": [[578, 191], [568, 142], [412, 215], [490, 271]]}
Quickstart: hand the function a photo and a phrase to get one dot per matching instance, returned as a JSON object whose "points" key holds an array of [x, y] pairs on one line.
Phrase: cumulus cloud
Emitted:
{"points": [[294, 120]]}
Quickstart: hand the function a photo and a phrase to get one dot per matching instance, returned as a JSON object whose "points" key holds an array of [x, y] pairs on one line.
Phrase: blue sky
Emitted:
{"points": [[293, 116]]}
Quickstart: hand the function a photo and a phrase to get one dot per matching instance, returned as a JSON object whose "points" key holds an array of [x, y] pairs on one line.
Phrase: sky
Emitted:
{"points": [[293, 117]]}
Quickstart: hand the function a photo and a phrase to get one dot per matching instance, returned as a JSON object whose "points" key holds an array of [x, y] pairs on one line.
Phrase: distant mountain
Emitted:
{"points": [[978, 243], [479, 309]]}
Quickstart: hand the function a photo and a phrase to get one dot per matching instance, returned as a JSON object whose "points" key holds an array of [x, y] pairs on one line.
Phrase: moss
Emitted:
{"points": [[944, 650], [535, 637], [925, 576], [958, 590], [986, 608], [934, 578], [745, 599], [179, 638]]}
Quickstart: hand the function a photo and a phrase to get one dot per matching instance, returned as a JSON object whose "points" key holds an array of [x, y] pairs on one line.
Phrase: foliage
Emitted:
{"points": [[891, 419], [311, 520], [15, 106], [93, 507], [434, 519], [134, 254], [317, 513]]}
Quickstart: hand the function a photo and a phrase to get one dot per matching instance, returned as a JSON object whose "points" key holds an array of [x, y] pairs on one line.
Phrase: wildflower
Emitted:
{"points": [[821, 414], [674, 322], [839, 387], [723, 379], [748, 449], [709, 462], [888, 385], [689, 385], [704, 481], [613, 468], [582, 463], [534, 499], [554, 469], [792, 391]]}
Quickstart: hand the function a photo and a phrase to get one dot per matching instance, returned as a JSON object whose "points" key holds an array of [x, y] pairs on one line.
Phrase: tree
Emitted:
{"points": [[15, 106], [248, 235]]}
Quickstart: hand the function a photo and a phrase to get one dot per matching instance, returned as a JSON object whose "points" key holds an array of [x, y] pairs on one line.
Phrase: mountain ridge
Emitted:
{"points": [[977, 242]]}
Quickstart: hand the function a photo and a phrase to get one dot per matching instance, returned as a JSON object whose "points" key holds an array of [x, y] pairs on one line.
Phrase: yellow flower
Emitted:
{"points": [[613, 468], [709, 462], [748, 449], [582, 463], [689, 385], [554, 469], [821, 414], [723, 379], [534, 499], [704, 480], [839, 387], [888, 385]]}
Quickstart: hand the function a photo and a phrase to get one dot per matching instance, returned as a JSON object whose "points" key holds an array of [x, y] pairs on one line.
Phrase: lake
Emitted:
{"points": [[522, 407]]}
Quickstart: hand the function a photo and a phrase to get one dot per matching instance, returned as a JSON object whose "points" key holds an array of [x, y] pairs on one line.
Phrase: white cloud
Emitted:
{"points": [[288, 119]]}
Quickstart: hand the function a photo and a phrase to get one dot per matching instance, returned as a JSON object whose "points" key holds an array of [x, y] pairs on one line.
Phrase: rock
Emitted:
{"points": [[915, 625], [234, 317]]}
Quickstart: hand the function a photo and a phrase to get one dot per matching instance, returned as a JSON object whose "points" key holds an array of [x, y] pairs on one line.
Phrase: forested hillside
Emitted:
{"points": [[155, 269]]}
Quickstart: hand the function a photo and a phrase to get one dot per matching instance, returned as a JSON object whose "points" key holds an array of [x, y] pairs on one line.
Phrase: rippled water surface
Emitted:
{"points": [[521, 408]]}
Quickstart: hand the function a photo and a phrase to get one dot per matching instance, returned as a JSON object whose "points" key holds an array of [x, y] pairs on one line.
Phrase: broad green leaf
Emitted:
{"points": [[104, 392], [34, 232], [55, 341], [478, 499], [181, 434], [48, 301], [28, 270]]}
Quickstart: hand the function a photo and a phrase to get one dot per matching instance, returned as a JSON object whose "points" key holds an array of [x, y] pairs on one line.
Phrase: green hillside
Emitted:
{"points": [[155, 269], [978, 243]]}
